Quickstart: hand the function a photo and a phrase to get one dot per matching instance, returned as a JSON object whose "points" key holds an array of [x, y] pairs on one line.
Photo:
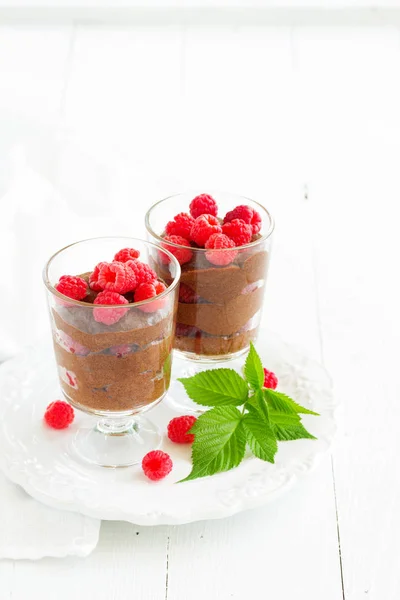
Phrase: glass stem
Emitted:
{"points": [[116, 426]]}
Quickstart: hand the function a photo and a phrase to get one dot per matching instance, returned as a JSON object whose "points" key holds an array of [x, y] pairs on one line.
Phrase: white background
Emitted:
{"points": [[303, 116]]}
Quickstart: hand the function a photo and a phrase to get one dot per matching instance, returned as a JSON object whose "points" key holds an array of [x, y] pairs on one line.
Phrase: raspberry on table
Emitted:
{"points": [[270, 379], [181, 225], [156, 465], [126, 254], [178, 429], [204, 204], [109, 316], [187, 295], [220, 241], [94, 276], [246, 214], [73, 287], [59, 414], [239, 231], [143, 273], [146, 291], [183, 254], [116, 277], [203, 228]]}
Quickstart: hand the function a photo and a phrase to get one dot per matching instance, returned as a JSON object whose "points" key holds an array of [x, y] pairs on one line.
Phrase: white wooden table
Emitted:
{"points": [[307, 120]]}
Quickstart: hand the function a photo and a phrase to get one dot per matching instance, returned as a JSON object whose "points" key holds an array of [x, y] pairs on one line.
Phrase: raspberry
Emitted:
{"points": [[145, 291], [121, 350], [270, 379], [219, 241], [156, 465], [187, 295], [178, 429], [203, 227], [126, 254], [247, 214], [143, 273], [59, 414], [70, 344], [181, 225], [239, 231], [203, 205], [73, 287], [109, 316], [181, 254], [93, 278], [116, 277]]}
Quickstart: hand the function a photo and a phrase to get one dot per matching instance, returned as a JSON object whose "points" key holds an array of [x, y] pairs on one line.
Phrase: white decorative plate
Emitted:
{"points": [[40, 460]]}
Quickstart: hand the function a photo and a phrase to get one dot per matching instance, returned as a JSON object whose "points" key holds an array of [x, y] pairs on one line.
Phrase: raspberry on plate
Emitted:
{"points": [[183, 255], [181, 225], [143, 273], [220, 241], [109, 316], [187, 295], [204, 204], [156, 465], [116, 277], [178, 429], [239, 231], [145, 291], [247, 214], [59, 414], [73, 287], [94, 276], [203, 228], [126, 254], [270, 379]]}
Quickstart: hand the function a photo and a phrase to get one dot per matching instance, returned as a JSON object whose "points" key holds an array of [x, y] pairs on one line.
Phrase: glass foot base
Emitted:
{"points": [[113, 443]]}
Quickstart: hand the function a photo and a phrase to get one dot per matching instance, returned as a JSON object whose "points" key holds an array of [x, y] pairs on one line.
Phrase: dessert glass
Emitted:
{"points": [[114, 372]]}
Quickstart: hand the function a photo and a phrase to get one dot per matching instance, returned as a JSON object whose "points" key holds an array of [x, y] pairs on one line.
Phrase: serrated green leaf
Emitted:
{"points": [[253, 369], [259, 435], [258, 402], [217, 387], [219, 443], [280, 402], [295, 431]]}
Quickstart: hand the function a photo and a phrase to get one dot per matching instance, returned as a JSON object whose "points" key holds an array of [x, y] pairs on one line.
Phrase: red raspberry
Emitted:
{"points": [[219, 241], [178, 429], [203, 227], [109, 316], [143, 273], [69, 344], [181, 225], [187, 295], [126, 254], [239, 231], [93, 278], [204, 204], [73, 287], [116, 277], [183, 255], [156, 465], [59, 414], [145, 291], [247, 214], [270, 379]]}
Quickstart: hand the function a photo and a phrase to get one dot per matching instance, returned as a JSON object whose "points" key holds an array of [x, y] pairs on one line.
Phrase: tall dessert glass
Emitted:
{"points": [[114, 364]]}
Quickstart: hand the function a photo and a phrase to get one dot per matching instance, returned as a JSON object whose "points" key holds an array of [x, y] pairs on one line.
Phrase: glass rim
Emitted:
{"points": [[263, 237], [72, 301]]}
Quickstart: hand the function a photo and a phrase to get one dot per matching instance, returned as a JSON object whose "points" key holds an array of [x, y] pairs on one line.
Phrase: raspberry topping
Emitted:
{"points": [[126, 254], [116, 277], [270, 379], [219, 241], [59, 414], [239, 231], [178, 429], [181, 225], [246, 214], [73, 287], [187, 295], [93, 278], [156, 465], [109, 316], [143, 273], [203, 227], [204, 204], [183, 255], [145, 291]]}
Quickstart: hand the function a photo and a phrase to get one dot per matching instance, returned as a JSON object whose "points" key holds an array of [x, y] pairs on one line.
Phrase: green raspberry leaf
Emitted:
{"points": [[259, 435], [217, 387], [288, 427], [220, 442], [253, 369], [258, 402], [282, 403]]}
